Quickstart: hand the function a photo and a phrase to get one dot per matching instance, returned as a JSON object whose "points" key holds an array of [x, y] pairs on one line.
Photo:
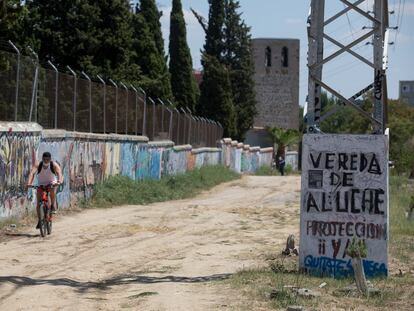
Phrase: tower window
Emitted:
{"points": [[285, 57], [268, 57]]}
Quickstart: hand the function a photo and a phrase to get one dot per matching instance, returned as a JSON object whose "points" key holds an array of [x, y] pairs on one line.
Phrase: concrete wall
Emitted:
{"points": [[244, 159], [292, 159], [87, 159]]}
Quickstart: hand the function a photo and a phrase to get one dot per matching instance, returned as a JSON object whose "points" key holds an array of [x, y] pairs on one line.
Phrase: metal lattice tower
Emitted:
{"points": [[316, 35]]}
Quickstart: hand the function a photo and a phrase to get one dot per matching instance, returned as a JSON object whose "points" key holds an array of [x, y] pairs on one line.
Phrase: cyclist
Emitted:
{"points": [[48, 173]]}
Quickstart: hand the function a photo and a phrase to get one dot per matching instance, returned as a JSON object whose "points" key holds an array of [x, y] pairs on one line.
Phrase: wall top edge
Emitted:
{"points": [[246, 147], [205, 149], [6, 126], [48, 134], [254, 149], [266, 150], [240, 145], [227, 140], [183, 148], [161, 143]]}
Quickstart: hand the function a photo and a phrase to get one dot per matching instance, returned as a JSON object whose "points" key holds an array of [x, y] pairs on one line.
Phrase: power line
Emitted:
{"points": [[399, 23]]}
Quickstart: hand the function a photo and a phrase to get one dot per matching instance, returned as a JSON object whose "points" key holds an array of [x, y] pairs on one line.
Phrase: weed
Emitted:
{"points": [[271, 286], [266, 171], [121, 190]]}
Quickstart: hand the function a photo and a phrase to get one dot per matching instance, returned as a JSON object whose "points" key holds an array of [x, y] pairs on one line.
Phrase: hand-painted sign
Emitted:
{"points": [[344, 195]]}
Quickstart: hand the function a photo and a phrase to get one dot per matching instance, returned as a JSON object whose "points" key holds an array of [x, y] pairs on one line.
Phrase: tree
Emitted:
{"points": [[149, 11], [283, 138], [217, 102], [94, 36], [183, 83], [238, 58], [12, 19], [146, 56], [400, 123], [215, 31], [346, 119], [216, 98], [401, 136]]}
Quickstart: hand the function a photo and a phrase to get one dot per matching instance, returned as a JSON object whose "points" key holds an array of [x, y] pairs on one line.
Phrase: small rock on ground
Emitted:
{"points": [[307, 293]]}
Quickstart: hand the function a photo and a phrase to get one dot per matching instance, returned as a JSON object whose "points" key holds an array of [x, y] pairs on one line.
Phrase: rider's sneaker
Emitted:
{"points": [[38, 224], [54, 211]]}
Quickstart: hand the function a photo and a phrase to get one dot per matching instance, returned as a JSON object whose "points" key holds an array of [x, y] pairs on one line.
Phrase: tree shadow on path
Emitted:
{"points": [[21, 281]]}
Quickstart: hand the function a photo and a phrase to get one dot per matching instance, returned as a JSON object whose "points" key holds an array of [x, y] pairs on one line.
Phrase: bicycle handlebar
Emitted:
{"points": [[44, 186]]}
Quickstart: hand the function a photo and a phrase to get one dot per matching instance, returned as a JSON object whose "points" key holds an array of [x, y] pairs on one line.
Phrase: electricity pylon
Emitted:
{"points": [[316, 59]]}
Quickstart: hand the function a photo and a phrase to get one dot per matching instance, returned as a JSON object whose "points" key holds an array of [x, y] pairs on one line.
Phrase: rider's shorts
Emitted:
{"points": [[40, 190]]}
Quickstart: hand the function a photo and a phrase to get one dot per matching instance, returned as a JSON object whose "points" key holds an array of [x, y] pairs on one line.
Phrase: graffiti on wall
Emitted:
{"points": [[344, 195], [17, 155], [86, 162]]}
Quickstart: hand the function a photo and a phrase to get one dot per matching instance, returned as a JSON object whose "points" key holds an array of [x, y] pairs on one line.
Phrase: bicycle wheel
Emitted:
{"points": [[42, 221], [48, 222]]}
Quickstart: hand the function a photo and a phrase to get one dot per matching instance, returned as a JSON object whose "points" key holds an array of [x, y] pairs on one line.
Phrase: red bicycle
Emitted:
{"points": [[45, 219]]}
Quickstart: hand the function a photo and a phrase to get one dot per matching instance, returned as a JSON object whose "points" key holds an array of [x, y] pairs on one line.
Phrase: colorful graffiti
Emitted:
{"points": [[87, 160], [341, 267], [17, 154]]}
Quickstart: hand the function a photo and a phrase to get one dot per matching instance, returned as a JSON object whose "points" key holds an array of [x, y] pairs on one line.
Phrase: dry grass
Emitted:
{"points": [[396, 291]]}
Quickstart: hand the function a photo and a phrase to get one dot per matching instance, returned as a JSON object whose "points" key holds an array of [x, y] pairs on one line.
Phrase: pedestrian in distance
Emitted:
{"points": [[281, 164]]}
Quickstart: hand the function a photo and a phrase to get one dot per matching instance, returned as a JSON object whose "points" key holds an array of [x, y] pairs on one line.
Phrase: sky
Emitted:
{"points": [[287, 19]]}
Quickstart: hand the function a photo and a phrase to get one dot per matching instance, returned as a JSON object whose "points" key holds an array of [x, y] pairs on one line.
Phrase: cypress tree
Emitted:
{"points": [[214, 36], [183, 84], [145, 54], [216, 97], [238, 58], [149, 11], [217, 102]]}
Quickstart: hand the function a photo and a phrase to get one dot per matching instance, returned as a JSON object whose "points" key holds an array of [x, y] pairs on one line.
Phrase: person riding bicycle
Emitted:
{"points": [[48, 173]]}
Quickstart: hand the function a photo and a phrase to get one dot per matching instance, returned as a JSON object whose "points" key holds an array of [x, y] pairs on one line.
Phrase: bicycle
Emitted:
{"points": [[45, 211]]}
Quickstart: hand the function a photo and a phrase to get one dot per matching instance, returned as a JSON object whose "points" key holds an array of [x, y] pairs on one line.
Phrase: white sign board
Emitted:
{"points": [[344, 195]]}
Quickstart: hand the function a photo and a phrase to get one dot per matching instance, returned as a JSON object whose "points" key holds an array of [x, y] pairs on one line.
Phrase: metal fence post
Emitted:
{"points": [[90, 100], [56, 91], [104, 102], [221, 131], [190, 125], [162, 114], [126, 114], [144, 117], [205, 131], [116, 105], [74, 97], [33, 102], [184, 125], [178, 126], [16, 100], [216, 133], [170, 123], [211, 128], [153, 117], [136, 108]]}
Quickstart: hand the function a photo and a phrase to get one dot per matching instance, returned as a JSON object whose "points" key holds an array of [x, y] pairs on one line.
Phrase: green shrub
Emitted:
{"points": [[266, 171], [288, 169], [121, 190]]}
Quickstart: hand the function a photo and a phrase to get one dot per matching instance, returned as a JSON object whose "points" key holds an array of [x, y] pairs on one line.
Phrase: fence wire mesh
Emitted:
{"points": [[63, 100]]}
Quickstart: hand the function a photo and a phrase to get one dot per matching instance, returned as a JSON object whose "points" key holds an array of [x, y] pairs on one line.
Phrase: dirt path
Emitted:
{"points": [[166, 256]]}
